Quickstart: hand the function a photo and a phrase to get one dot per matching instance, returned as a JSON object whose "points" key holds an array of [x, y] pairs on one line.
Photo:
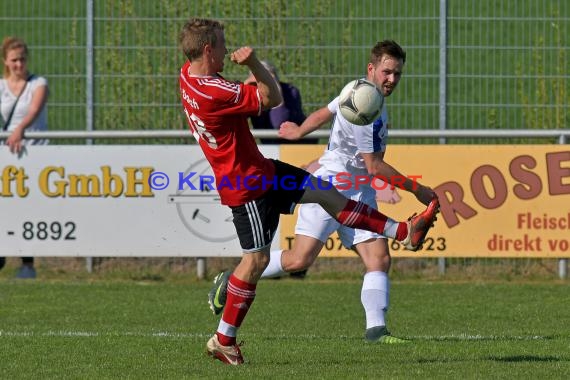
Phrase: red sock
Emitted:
{"points": [[360, 215], [240, 297], [402, 231]]}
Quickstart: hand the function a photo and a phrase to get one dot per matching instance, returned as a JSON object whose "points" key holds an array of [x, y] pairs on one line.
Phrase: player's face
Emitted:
{"points": [[219, 52], [386, 74], [16, 61]]}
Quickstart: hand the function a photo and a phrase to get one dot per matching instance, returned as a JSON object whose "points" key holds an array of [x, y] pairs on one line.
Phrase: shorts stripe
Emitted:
{"points": [[256, 225]]}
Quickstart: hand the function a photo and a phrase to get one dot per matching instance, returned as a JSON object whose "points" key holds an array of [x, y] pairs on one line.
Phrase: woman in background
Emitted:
{"points": [[23, 98]]}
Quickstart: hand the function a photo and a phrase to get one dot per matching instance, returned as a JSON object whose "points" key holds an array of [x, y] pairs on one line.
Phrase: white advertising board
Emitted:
{"points": [[104, 201]]}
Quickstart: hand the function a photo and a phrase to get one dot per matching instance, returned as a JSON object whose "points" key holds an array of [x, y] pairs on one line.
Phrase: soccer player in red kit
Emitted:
{"points": [[250, 184]]}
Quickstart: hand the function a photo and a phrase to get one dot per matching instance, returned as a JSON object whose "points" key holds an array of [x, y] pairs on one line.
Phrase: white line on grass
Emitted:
{"points": [[159, 334], [165, 334]]}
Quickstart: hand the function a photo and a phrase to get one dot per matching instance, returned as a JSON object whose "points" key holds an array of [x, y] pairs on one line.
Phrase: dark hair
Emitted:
{"points": [[386, 47], [197, 33]]}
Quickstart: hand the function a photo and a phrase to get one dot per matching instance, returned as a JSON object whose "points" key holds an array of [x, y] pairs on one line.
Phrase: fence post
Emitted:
{"points": [[563, 268], [562, 263], [442, 88], [89, 89], [442, 67], [201, 267]]}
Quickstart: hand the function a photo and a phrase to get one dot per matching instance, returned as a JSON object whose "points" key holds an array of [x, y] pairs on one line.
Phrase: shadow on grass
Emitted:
{"points": [[459, 338], [524, 358], [505, 359]]}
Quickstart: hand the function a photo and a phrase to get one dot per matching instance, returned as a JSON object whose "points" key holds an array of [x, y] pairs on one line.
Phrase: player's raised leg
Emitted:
{"points": [[359, 215]]}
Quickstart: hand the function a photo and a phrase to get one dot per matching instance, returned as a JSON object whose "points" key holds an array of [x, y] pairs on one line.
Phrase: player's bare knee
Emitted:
{"points": [[262, 261], [299, 263], [256, 262]]}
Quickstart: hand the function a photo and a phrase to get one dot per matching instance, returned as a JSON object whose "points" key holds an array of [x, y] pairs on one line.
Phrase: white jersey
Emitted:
{"points": [[342, 155], [348, 140]]}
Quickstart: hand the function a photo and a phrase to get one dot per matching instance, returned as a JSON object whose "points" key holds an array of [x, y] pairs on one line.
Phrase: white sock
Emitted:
{"points": [[391, 228], [274, 269], [226, 329], [375, 297]]}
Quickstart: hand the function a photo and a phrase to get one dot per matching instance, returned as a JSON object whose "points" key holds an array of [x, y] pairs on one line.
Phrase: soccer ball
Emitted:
{"points": [[360, 102]]}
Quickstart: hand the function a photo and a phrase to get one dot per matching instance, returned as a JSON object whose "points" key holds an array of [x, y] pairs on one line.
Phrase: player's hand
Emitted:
{"points": [[425, 194], [289, 131], [243, 55]]}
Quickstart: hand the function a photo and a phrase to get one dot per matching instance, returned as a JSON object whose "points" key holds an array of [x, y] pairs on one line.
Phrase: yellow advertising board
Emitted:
{"points": [[496, 200]]}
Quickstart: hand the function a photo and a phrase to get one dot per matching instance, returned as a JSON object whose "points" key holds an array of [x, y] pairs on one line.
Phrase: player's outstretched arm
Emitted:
{"points": [[291, 131], [376, 166]]}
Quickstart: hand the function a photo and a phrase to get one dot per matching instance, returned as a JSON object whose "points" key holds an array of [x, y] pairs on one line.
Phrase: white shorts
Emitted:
{"points": [[315, 222]]}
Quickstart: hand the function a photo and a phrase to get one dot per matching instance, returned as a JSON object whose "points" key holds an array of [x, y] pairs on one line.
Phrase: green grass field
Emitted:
{"points": [[296, 329]]}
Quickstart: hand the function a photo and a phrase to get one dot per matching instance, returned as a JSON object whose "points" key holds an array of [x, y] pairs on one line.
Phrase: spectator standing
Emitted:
{"points": [[23, 98]]}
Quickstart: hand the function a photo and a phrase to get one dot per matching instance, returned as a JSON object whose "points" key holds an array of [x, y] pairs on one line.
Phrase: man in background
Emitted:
{"points": [[290, 110]]}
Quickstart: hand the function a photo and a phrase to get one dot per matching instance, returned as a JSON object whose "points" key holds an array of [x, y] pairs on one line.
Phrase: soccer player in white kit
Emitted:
{"points": [[356, 150]]}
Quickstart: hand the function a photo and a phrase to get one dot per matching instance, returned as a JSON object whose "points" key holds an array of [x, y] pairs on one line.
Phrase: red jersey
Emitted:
{"points": [[217, 111]]}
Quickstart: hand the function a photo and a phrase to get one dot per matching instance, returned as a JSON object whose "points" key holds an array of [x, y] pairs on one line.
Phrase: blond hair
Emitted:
{"points": [[197, 33], [12, 43]]}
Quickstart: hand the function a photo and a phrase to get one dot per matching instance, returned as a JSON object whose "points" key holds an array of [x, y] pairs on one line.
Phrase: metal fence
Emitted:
{"points": [[472, 64], [481, 64]]}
